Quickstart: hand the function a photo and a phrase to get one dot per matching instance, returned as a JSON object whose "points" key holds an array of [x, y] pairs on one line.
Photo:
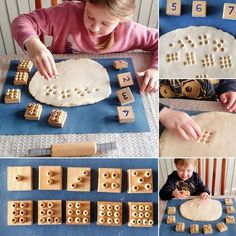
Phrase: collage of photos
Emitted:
{"points": [[117, 117]]}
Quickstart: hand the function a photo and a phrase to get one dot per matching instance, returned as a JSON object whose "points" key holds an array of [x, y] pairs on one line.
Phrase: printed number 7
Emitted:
{"points": [[231, 9], [126, 112], [173, 6]]}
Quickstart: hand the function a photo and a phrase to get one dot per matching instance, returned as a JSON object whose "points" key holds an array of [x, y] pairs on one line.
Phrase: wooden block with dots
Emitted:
{"points": [[12, 96], [109, 213], [20, 212], [171, 210], [57, 118], [140, 214], [221, 227], [19, 178], [229, 202], [194, 229], [125, 79], [206, 136], [125, 96], [77, 212], [120, 64], [50, 177], [173, 7], [79, 179], [229, 11], [25, 65], [21, 78], [125, 114], [180, 226], [207, 229], [33, 111], [49, 212], [230, 210], [171, 219], [140, 181], [229, 219], [109, 180], [199, 8]]}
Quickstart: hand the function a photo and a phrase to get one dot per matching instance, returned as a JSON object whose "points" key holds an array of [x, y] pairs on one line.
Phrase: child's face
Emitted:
{"points": [[98, 21], [185, 172]]}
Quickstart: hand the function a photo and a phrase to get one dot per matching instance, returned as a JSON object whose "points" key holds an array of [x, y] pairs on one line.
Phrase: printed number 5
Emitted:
{"points": [[231, 9], [173, 6], [124, 95]]}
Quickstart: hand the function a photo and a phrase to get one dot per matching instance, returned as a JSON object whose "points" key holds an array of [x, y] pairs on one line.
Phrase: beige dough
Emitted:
{"points": [[80, 82], [218, 142], [201, 210]]}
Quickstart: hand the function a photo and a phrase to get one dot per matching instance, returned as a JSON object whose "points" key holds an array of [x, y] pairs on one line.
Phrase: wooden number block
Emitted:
{"points": [[33, 111], [79, 179], [221, 227], [25, 65], [109, 180], [120, 64], [229, 202], [21, 78], [125, 79], [12, 96], [50, 177], [194, 229], [229, 220], [77, 212], [171, 210], [19, 178], [20, 212], [230, 210], [180, 226], [109, 213], [125, 114], [171, 219], [173, 7], [140, 214], [57, 118], [125, 96], [207, 229], [199, 8], [229, 11], [49, 212], [140, 181]]}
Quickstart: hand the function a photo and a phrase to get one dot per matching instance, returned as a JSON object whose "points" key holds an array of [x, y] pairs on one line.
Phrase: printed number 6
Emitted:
{"points": [[198, 7], [124, 95], [173, 6], [231, 9]]}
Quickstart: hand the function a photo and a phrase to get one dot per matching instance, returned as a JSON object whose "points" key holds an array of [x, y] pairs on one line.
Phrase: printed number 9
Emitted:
{"points": [[198, 7], [173, 8]]}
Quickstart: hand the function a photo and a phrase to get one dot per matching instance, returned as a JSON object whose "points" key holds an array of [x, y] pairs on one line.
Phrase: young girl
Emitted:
{"points": [[93, 26]]}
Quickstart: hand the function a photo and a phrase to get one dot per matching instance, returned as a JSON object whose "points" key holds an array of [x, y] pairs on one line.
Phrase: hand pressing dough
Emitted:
{"points": [[201, 210], [197, 52], [218, 139], [80, 82]]}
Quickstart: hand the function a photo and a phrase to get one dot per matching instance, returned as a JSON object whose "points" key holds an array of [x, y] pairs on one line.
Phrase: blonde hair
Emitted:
{"points": [[184, 162]]}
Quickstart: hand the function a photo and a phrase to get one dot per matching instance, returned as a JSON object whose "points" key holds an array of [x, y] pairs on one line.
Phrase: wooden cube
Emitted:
{"points": [[25, 65], [171, 210], [140, 214], [109, 180], [229, 11], [19, 178], [49, 212], [199, 8], [194, 229], [78, 212], [109, 213], [57, 118], [180, 226], [140, 181], [21, 78], [20, 213], [207, 229], [79, 179], [12, 96], [173, 7], [125, 96], [125, 79], [229, 202], [125, 114], [33, 111], [171, 219], [120, 64], [229, 220], [50, 178], [221, 227], [230, 210]]}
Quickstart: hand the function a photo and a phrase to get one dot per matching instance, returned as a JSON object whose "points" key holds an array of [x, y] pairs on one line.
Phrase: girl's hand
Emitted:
{"points": [[178, 194], [150, 77], [204, 196]]}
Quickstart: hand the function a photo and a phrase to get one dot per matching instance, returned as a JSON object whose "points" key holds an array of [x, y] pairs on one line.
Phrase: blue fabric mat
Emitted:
{"points": [[169, 229], [213, 17], [93, 196], [96, 118]]}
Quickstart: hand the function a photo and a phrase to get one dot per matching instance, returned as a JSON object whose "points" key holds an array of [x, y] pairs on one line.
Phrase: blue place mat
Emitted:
{"points": [[100, 117], [93, 196], [213, 17], [169, 229]]}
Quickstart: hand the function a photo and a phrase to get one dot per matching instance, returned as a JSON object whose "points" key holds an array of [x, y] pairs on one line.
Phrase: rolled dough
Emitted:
{"points": [[80, 82], [201, 210], [219, 141]]}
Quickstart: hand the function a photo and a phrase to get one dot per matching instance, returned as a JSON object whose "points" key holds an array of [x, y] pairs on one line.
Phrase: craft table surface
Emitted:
{"points": [[130, 144]]}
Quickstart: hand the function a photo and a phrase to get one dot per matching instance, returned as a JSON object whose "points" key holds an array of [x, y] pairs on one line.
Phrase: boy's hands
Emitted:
{"points": [[229, 99], [149, 83], [181, 123], [41, 58], [204, 196], [178, 194]]}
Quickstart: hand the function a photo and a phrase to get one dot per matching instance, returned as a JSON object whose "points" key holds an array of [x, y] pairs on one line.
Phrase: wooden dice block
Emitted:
{"points": [[57, 118], [125, 114], [77, 212], [229, 202], [125, 79], [19, 178], [207, 229], [194, 229], [171, 219], [180, 226], [229, 11], [120, 64], [12, 96], [25, 65], [140, 214], [20, 212], [49, 212], [229, 220], [173, 7], [109, 180], [33, 111], [199, 8], [79, 179], [50, 177], [140, 181], [221, 227], [125, 96], [230, 210], [171, 210], [21, 78], [109, 213]]}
